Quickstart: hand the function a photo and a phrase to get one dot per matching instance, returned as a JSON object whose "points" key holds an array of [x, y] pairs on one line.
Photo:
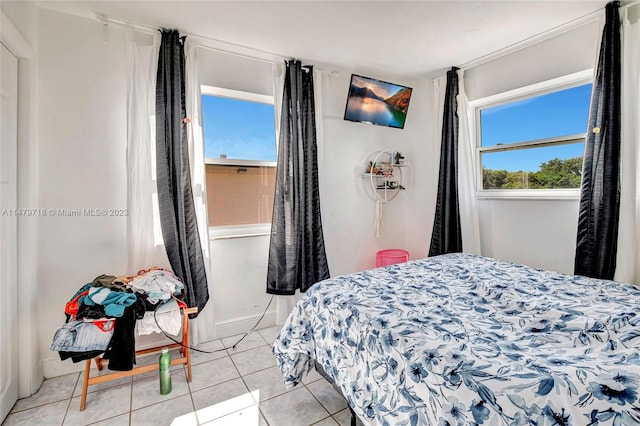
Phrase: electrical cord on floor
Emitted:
{"points": [[217, 350]]}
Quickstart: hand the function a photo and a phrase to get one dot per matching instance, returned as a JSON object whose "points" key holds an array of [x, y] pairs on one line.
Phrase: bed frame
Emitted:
{"points": [[324, 374], [185, 359]]}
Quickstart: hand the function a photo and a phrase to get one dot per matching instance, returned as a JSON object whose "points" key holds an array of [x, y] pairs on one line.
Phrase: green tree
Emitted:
{"points": [[517, 180], [554, 173], [493, 179], [503, 179], [559, 173]]}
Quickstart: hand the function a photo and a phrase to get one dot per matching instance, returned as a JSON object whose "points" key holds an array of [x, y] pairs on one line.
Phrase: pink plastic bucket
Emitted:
{"points": [[391, 257]]}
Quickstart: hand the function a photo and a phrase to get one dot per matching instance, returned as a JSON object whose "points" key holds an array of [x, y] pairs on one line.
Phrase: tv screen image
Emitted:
{"points": [[377, 102]]}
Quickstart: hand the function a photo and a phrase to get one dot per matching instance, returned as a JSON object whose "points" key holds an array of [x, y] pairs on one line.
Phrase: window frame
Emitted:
{"points": [[538, 89], [259, 229]]}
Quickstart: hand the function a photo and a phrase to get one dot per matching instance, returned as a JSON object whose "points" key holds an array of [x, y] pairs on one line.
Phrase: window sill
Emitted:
{"points": [[530, 194], [239, 231], [241, 163]]}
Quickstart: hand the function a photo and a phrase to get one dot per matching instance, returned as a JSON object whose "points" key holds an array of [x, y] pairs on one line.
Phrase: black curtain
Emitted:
{"points": [[447, 236], [600, 192], [177, 212], [297, 256]]}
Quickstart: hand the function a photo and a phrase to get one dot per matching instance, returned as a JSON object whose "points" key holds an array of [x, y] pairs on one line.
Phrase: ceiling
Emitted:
{"points": [[403, 38]]}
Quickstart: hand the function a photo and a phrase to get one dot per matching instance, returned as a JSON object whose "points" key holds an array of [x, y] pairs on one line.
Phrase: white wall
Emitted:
{"points": [[23, 16], [239, 274], [566, 53], [539, 233], [347, 212], [535, 232], [82, 147], [239, 266], [82, 141], [81, 124], [233, 72]]}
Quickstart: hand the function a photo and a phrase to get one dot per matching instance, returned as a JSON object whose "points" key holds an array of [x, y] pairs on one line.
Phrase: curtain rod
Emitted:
{"points": [[269, 57], [255, 54], [206, 43], [545, 35]]}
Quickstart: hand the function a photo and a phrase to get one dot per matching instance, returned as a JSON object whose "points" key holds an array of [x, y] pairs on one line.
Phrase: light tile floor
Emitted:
{"points": [[239, 387]]}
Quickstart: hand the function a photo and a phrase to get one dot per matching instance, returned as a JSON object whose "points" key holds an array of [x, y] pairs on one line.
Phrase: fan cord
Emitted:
{"points": [[217, 350]]}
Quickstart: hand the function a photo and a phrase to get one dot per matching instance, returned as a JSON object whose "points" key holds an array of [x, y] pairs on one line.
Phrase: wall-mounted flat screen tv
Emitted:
{"points": [[377, 102]]}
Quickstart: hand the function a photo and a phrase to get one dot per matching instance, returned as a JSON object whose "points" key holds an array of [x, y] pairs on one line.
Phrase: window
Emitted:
{"points": [[240, 156], [533, 138]]}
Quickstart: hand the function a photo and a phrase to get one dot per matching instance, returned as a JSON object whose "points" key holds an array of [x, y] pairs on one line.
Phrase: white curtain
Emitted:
{"points": [[439, 90], [203, 327], [145, 243], [285, 304], [469, 221], [627, 261], [146, 246]]}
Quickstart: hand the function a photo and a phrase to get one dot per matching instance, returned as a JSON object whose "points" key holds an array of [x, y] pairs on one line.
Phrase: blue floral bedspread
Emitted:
{"points": [[462, 339]]}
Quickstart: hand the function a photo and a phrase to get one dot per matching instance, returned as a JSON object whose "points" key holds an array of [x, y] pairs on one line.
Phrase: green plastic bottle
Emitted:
{"points": [[165, 371]]}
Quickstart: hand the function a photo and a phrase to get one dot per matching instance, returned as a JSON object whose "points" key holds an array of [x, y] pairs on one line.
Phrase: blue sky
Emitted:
{"points": [[245, 130], [555, 114], [238, 129]]}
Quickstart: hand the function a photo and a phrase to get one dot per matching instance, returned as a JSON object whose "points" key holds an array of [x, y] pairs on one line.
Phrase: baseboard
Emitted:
{"points": [[235, 326], [52, 366]]}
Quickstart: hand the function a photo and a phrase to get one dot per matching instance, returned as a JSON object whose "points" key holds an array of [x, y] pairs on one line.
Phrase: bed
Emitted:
{"points": [[463, 339]]}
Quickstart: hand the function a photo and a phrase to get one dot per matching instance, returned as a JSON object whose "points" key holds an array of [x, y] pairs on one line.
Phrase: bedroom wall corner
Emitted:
{"points": [[347, 212], [82, 151], [533, 231], [82, 164], [239, 265], [24, 17]]}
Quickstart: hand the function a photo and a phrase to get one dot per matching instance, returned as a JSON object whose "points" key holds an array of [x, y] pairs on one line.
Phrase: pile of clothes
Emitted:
{"points": [[102, 316]]}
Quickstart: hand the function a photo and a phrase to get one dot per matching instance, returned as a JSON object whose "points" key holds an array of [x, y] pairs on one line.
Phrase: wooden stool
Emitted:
{"points": [[185, 359]]}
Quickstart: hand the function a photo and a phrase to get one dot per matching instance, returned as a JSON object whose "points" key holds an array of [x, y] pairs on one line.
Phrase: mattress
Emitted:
{"points": [[463, 339]]}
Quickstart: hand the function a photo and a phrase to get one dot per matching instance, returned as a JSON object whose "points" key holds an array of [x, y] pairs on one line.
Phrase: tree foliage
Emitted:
{"points": [[554, 173]]}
